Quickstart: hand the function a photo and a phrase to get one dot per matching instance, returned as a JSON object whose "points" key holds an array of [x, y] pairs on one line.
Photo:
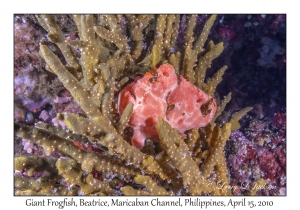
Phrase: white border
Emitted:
{"points": [[7, 199]]}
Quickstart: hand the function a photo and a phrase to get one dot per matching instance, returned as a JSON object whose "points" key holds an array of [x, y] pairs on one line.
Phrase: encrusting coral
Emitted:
{"points": [[93, 156]]}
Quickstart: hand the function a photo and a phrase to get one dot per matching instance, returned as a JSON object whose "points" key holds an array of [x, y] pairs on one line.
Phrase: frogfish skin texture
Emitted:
{"points": [[160, 93]]}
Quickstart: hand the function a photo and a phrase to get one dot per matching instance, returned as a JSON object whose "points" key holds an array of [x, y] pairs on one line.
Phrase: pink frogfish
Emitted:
{"points": [[160, 93]]}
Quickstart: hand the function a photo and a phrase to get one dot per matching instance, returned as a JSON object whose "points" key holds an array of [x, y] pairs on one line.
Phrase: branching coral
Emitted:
{"points": [[113, 54]]}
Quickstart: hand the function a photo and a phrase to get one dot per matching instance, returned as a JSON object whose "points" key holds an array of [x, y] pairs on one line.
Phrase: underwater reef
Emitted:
{"points": [[135, 105]]}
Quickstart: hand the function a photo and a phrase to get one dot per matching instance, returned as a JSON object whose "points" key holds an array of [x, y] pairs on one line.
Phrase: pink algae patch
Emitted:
{"points": [[158, 94]]}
